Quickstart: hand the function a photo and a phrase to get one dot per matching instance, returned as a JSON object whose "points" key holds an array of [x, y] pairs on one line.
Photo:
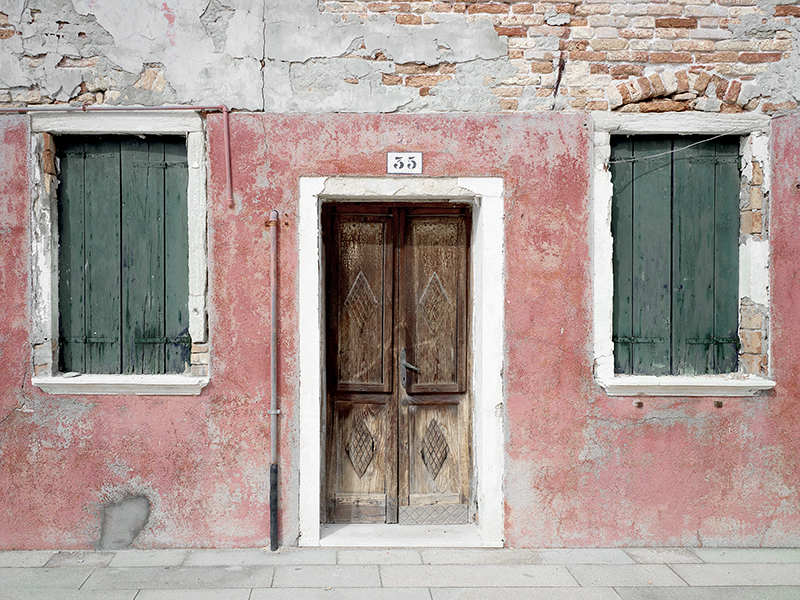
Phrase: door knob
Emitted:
{"points": [[404, 366]]}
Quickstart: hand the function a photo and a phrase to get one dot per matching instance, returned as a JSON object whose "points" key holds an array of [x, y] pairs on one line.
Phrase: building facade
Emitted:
{"points": [[536, 273]]}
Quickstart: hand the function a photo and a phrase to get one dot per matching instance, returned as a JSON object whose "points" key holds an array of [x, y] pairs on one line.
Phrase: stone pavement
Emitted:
{"points": [[407, 574]]}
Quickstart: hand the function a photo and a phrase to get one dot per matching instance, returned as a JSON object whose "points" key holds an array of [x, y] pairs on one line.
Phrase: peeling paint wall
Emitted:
{"points": [[307, 56]]}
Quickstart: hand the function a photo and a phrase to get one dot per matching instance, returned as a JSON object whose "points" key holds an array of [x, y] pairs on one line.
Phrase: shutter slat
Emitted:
{"points": [[71, 257], [651, 252], [143, 251], [102, 197], [726, 253], [622, 233], [176, 314]]}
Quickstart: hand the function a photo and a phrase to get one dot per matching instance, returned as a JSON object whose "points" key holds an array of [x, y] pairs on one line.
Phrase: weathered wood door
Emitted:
{"points": [[398, 404]]}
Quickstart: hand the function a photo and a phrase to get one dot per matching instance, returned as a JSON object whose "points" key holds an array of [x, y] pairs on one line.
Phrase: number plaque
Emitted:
{"points": [[404, 163]]}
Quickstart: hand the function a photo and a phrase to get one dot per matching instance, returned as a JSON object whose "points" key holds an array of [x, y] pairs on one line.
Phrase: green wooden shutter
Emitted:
{"points": [[123, 291], [675, 223]]}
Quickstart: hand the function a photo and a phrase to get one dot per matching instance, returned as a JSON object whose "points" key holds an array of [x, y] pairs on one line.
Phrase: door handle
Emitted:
{"points": [[404, 366]]}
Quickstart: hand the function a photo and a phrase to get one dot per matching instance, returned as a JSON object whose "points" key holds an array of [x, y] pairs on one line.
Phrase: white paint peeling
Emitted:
{"points": [[754, 270]]}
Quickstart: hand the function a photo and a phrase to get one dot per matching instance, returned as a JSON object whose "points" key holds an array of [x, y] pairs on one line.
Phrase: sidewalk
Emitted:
{"points": [[403, 574]]}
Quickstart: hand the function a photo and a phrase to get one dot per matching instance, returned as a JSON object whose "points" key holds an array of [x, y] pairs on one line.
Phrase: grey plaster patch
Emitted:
{"points": [[321, 85], [304, 33], [467, 91], [122, 522]]}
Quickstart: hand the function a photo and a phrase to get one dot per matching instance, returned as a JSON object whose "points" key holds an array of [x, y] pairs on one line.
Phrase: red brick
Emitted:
{"points": [[718, 57], [657, 84], [579, 22], [408, 20], [515, 54], [524, 8], [638, 34], [626, 95], [731, 108], [787, 11], [703, 79], [760, 57], [670, 57], [624, 71], [508, 103], [732, 93], [597, 105], [587, 56], [388, 6], [389, 79], [414, 68], [565, 9], [425, 80], [442, 7], [683, 81], [769, 107], [663, 105], [626, 56], [644, 85], [573, 45], [596, 69], [676, 22], [487, 8], [541, 67], [511, 31], [721, 86]]}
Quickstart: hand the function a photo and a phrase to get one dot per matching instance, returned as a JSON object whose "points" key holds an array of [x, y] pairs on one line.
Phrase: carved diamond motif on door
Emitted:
{"points": [[432, 301], [361, 447], [434, 448], [360, 302]]}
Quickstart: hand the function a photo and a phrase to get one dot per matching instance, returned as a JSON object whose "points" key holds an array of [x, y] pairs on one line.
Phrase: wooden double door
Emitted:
{"points": [[398, 413]]}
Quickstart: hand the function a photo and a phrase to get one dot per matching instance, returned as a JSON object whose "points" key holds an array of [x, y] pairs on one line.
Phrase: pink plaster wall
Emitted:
{"points": [[582, 469]]}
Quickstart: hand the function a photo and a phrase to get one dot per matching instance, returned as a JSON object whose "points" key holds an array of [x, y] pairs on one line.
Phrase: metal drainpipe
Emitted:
{"points": [[273, 365], [84, 108]]}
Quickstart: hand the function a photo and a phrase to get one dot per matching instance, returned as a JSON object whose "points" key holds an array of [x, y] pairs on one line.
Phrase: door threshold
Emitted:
{"points": [[404, 536]]}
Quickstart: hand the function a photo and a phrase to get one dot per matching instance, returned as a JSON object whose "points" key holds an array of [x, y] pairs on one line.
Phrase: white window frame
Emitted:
{"points": [[753, 256], [45, 252], [485, 195]]}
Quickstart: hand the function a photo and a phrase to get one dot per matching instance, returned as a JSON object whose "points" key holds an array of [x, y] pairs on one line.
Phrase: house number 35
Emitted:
{"points": [[404, 163]]}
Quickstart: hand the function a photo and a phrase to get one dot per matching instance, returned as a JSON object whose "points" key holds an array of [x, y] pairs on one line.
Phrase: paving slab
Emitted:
{"points": [[25, 558], [260, 556], [749, 555], [476, 576], [524, 594], [60, 594], [710, 593], [480, 556], [625, 575], [662, 555], [42, 577], [80, 558], [148, 558], [341, 594], [396, 556], [144, 578], [586, 556], [762, 574], [326, 576], [224, 594]]}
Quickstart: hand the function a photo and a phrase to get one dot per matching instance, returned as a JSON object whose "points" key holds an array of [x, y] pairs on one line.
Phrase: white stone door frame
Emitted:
{"points": [[485, 195]]}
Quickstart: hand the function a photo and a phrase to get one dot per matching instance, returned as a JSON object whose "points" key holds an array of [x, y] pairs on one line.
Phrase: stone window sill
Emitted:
{"points": [[708, 385], [137, 385]]}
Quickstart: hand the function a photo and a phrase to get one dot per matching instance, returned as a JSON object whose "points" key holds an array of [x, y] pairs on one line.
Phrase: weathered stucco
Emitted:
{"points": [[582, 469], [310, 56]]}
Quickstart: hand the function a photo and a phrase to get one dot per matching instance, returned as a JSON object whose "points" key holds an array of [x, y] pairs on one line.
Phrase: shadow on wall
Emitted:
{"points": [[122, 522]]}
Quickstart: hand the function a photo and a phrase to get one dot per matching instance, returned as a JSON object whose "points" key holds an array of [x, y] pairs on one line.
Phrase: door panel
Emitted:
{"points": [[397, 436]]}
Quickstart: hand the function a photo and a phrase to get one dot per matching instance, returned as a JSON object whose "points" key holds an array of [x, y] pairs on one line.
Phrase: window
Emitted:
{"points": [[137, 321], [675, 224], [123, 255], [705, 332]]}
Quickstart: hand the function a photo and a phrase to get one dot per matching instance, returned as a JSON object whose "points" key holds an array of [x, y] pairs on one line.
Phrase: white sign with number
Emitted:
{"points": [[404, 163]]}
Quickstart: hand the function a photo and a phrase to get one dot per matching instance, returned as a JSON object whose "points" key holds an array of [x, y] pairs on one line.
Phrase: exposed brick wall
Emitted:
{"points": [[657, 56]]}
